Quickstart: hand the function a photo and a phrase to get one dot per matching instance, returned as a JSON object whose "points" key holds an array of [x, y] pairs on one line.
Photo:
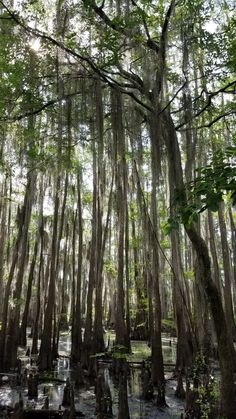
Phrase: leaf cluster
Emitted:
{"points": [[212, 184], [215, 180]]}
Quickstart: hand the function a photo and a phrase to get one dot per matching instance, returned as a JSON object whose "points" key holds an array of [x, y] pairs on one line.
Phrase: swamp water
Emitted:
{"points": [[85, 399]]}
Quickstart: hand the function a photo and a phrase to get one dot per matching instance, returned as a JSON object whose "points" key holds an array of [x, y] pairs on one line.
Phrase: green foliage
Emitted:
{"points": [[207, 399], [230, 42], [119, 352], [215, 180], [189, 275], [144, 302], [205, 386], [171, 224], [134, 210], [87, 198], [110, 268], [213, 183], [165, 244], [135, 242], [140, 351]]}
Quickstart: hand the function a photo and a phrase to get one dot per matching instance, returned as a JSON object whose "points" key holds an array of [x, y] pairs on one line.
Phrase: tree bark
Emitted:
{"points": [[12, 340], [122, 338], [225, 344], [23, 338], [229, 312], [45, 354], [76, 320]]}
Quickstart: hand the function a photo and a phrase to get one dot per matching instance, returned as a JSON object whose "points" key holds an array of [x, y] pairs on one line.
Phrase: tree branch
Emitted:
{"points": [[173, 98], [40, 109], [42, 35], [216, 119], [162, 52], [150, 42], [209, 99], [121, 29]]}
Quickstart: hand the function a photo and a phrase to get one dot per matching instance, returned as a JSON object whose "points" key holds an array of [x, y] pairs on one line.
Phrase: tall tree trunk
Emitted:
{"points": [[87, 343], [227, 273], [215, 267], [185, 345], [233, 244], [225, 344], [3, 236], [98, 325], [23, 327], [63, 316], [12, 340], [122, 338], [34, 349], [158, 376], [45, 354], [76, 340], [98, 343], [7, 294]]}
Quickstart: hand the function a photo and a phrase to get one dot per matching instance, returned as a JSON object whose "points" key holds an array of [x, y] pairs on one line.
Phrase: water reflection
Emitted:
{"points": [[141, 350], [85, 397]]}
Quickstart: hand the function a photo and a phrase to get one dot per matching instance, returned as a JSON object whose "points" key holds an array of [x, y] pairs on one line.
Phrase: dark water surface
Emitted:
{"points": [[85, 397]]}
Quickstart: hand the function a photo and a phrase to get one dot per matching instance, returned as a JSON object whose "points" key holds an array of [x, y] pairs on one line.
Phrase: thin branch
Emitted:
{"points": [[209, 102], [224, 89], [118, 28], [115, 26], [173, 98], [131, 76], [150, 42], [209, 124], [216, 119], [40, 109], [42, 35], [165, 28], [221, 90], [163, 41]]}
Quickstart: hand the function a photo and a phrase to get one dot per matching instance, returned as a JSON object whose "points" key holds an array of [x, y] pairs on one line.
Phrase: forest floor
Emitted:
{"points": [[85, 399]]}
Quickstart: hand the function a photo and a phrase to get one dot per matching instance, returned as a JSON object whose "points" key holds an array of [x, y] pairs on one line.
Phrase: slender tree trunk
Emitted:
{"points": [[225, 345], [215, 268], [34, 349], [63, 317], [23, 327], [12, 340], [140, 326], [119, 144], [3, 236], [182, 315], [9, 222], [76, 321], [87, 343], [233, 244], [45, 354], [98, 344], [227, 274], [98, 325], [158, 376]]}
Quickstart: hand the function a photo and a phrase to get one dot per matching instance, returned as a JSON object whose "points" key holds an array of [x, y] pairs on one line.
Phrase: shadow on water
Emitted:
{"points": [[85, 399]]}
